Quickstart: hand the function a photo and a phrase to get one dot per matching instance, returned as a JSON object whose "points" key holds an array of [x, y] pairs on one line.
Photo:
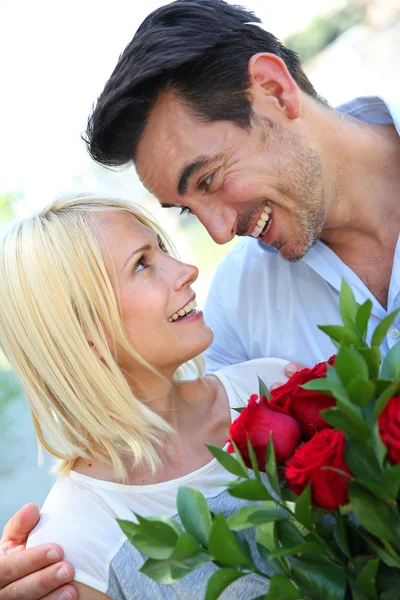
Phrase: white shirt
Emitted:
{"points": [[261, 305], [80, 511]]}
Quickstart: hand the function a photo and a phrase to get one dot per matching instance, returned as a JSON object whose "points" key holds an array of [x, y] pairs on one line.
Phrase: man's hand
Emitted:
{"points": [[290, 369], [36, 573]]}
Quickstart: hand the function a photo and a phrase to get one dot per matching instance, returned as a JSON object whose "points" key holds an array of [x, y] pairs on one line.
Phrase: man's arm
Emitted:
{"points": [[34, 574]]}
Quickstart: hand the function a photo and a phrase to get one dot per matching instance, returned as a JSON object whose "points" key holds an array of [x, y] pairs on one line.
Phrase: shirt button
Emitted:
{"points": [[394, 333]]}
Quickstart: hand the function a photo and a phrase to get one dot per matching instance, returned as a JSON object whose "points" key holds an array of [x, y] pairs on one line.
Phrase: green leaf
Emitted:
{"points": [[266, 535], [288, 534], [362, 317], [252, 489], [194, 513], [348, 306], [350, 365], [185, 546], [341, 535], [375, 488], [229, 463], [170, 571], [342, 335], [253, 460], [262, 389], [378, 446], [303, 509], [366, 580], [281, 588], [384, 398], [168, 521], [239, 409], [350, 410], [271, 470], [240, 459], [338, 420], [389, 560], [360, 391], [318, 581], [224, 546], [318, 385], [300, 550], [371, 512], [391, 364], [372, 357], [152, 538], [381, 330], [361, 460], [249, 516], [391, 481], [219, 581]]}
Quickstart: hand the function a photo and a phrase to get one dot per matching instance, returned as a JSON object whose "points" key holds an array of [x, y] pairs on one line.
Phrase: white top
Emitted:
{"points": [[79, 514], [261, 305]]}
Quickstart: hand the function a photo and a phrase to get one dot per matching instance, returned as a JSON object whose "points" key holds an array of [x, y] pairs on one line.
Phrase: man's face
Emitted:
{"points": [[265, 181]]}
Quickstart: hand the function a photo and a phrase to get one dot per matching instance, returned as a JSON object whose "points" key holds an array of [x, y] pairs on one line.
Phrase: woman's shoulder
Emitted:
{"points": [[82, 526], [241, 380]]}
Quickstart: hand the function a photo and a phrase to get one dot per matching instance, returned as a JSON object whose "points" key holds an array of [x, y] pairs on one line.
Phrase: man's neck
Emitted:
{"points": [[363, 200]]}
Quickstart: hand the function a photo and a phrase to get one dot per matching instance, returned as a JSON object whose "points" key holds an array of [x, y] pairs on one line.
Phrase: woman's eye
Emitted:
{"points": [[206, 182], [140, 265], [162, 246]]}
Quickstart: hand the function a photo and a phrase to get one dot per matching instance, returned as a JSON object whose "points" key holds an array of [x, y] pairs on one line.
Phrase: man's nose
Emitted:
{"points": [[220, 221]]}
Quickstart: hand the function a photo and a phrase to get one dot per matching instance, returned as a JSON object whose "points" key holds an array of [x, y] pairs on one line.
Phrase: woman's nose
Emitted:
{"points": [[186, 275]]}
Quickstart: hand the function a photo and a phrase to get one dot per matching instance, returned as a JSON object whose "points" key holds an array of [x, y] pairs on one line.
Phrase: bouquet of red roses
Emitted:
{"points": [[324, 457]]}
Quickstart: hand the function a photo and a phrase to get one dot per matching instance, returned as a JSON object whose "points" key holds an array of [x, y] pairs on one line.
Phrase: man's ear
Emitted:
{"points": [[269, 76]]}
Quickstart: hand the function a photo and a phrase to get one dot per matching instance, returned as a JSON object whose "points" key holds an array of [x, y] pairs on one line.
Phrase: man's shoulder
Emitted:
{"points": [[372, 109]]}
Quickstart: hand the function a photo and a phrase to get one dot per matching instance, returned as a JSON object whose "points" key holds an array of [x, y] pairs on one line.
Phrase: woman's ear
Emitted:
{"points": [[269, 77]]}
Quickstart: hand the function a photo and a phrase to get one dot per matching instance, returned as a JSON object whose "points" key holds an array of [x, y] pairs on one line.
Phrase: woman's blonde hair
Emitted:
{"points": [[55, 295]]}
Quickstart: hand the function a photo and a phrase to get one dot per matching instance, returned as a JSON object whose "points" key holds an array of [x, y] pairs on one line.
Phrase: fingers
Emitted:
{"points": [[26, 592], [65, 593], [33, 573], [19, 526], [275, 385], [292, 368]]}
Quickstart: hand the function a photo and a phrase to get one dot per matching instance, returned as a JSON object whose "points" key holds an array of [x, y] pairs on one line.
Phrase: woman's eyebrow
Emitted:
{"points": [[144, 248]]}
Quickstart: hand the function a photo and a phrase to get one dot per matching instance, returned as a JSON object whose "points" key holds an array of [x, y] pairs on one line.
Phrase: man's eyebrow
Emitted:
{"points": [[144, 248], [191, 169]]}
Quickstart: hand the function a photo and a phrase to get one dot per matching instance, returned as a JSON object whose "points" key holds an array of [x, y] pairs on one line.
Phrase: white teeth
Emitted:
{"points": [[183, 311], [264, 218]]}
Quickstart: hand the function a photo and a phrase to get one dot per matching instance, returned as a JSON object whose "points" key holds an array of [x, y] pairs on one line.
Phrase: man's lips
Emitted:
{"points": [[260, 222]]}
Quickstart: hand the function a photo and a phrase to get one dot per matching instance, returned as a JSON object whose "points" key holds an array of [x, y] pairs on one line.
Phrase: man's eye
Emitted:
{"points": [[185, 210], [206, 182]]}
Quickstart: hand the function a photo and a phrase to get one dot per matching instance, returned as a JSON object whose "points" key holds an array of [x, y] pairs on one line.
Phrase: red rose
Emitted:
{"points": [[389, 428], [328, 487], [256, 422], [305, 405]]}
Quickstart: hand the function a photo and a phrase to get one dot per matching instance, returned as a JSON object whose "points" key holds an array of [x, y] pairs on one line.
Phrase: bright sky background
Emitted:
{"points": [[55, 59]]}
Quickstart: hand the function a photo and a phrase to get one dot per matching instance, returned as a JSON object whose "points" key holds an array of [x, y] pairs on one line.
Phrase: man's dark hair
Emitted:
{"points": [[200, 49]]}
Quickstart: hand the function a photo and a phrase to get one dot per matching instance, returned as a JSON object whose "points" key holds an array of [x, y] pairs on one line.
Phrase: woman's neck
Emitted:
{"points": [[198, 410]]}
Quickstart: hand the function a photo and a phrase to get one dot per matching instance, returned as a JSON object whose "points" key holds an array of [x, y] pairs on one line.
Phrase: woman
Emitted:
{"points": [[97, 318]]}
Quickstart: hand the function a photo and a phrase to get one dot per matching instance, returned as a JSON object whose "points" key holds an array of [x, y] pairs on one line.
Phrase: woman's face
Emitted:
{"points": [[151, 287]]}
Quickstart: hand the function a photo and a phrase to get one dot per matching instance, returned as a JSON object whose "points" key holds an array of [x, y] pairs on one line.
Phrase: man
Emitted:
{"points": [[219, 119]]}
